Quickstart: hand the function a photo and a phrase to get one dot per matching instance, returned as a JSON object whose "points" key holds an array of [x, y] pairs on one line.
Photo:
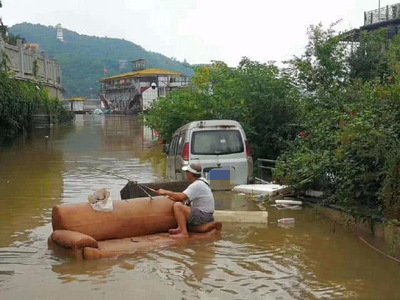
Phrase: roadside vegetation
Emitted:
{"points": [[261, 97], [19, 101], [331, 118], [350, 122]]}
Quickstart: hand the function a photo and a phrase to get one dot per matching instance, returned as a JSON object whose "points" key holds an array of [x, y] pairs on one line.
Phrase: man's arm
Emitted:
{"points": [[175, 196]]}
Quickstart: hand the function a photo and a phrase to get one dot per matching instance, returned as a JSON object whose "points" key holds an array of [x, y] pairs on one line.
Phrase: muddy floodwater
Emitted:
{"points": [[312, 259]]}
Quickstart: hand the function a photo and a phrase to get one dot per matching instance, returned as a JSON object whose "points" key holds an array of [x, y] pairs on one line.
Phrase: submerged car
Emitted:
{"points": [[220, 146]]}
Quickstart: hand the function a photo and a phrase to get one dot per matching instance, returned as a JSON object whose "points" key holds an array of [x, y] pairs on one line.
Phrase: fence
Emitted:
{"points": [[386, 13], [264, 168], [28, 63]]}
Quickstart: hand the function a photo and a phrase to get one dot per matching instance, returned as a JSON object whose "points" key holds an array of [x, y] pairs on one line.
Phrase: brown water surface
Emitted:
{"points": [[312, 259]]}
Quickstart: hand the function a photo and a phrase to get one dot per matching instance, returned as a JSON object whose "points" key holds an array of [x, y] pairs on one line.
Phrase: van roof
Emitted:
{"points": [[210, 124]]}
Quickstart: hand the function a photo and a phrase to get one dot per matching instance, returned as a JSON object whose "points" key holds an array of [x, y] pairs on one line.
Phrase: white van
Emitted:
{"points": [[220, 146]]}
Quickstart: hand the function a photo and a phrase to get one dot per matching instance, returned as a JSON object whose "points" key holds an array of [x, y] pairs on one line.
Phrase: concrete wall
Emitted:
{"points": [[27, 62], [385, 236]]}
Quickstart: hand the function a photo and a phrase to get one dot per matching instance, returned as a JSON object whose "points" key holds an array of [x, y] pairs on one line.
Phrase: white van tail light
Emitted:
{"points": [[185, 152], [248, 149]]}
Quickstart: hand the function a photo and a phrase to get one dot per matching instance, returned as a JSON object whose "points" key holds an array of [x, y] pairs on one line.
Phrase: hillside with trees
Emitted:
{"points": [[85, 59]]}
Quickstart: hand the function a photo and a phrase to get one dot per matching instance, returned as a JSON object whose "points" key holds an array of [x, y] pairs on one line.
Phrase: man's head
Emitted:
{"points": [[194, 169]]}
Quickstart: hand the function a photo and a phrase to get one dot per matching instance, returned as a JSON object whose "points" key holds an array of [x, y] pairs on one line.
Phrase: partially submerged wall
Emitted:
{"points": [[27, 62], [379, 235]]}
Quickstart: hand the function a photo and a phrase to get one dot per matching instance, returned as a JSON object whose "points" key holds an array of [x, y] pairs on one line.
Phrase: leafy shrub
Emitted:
{"points": [[390, 193], [350, 116], [18, 101], [257, 95]]}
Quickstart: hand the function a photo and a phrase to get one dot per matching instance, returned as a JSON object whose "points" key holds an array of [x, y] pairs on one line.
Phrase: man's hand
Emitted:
{"points": [[162, 192], [175, 196]]}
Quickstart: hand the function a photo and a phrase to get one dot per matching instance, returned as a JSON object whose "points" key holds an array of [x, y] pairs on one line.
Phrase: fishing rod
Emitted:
{"points": [[140, 185]]}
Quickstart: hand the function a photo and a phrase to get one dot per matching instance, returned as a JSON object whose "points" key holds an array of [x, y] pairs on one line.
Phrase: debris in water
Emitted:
{"points": [[286, 222]]}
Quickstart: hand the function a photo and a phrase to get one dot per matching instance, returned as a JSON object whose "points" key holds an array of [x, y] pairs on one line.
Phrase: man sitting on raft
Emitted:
{"points": [[197, 214]]}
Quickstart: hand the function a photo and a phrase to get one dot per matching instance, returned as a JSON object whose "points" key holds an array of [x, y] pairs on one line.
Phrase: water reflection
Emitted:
{"points": [[254, 261], [310, 260], [66, 164], [30, 184]]}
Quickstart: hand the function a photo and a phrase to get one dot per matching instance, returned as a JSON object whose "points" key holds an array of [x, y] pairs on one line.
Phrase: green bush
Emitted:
{"points": [[350, 116], [259, 96], [390, 193], [19, 101]]}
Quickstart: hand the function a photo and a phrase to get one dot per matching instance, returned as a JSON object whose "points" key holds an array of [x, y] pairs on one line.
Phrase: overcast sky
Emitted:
{"points": [[197, 30]]}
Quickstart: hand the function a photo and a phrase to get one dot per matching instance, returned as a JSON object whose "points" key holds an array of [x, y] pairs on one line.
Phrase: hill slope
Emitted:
{"points": [[84, 59]]}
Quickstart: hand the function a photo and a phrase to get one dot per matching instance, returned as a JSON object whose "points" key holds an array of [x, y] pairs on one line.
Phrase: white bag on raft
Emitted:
{"points": [[101, 200]]}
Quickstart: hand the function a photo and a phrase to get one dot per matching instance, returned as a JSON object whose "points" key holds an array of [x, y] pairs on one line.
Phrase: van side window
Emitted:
{"points": [[172, 149], [180, 143]]}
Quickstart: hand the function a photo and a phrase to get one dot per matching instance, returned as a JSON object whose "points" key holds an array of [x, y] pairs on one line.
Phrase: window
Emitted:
{"points": [[180, 143], [217, 142], [172, 148]]}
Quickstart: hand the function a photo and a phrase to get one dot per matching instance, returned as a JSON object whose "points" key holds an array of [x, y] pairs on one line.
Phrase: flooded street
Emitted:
{"points": [[311, 260]]}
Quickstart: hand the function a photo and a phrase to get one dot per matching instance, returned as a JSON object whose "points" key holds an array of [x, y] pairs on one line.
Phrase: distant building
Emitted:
{"points": [[91, 104], [75, 104], [28, 63], [136, 91], [60, 33], [139, 64], [384, 17], [81, 105]]}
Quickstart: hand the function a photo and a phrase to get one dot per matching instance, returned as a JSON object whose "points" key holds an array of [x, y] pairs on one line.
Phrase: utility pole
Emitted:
{"points": [[379, 10]]}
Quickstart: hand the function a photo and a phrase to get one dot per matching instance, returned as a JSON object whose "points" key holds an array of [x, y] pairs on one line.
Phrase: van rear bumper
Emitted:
{"points": [[231, 174]]}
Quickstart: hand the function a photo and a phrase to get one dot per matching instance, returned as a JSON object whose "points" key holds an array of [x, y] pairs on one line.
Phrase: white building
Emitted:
{"points": [[134, 92], [60, 33]]}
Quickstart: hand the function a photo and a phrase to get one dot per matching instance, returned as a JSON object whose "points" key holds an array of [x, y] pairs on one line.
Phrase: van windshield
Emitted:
{"points": [[216, 142]]}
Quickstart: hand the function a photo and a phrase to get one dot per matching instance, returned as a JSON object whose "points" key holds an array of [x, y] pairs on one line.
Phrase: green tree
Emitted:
{"points": [[350, 120], [18, 101], [390, 195], [370, 59], [259, 96], [323, 64]]}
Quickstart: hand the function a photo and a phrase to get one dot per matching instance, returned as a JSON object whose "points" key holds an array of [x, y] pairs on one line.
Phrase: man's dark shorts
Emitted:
{"points": [[198, 217]]}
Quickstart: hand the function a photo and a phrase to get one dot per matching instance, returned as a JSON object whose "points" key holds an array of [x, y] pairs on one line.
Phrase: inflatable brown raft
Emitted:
{"points": [[133, 225]]}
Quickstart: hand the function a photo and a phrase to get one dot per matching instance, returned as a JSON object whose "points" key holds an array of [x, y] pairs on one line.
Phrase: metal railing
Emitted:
{"points": [[264, 168], [382, 14]]}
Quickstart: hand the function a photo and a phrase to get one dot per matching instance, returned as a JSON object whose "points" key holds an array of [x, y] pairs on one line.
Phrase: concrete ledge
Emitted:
{"points": [[377, 233], [241, 216]]}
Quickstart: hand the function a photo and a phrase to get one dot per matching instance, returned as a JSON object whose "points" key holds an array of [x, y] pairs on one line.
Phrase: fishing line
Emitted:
{"points": [[379, 251], [140, 185]]}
